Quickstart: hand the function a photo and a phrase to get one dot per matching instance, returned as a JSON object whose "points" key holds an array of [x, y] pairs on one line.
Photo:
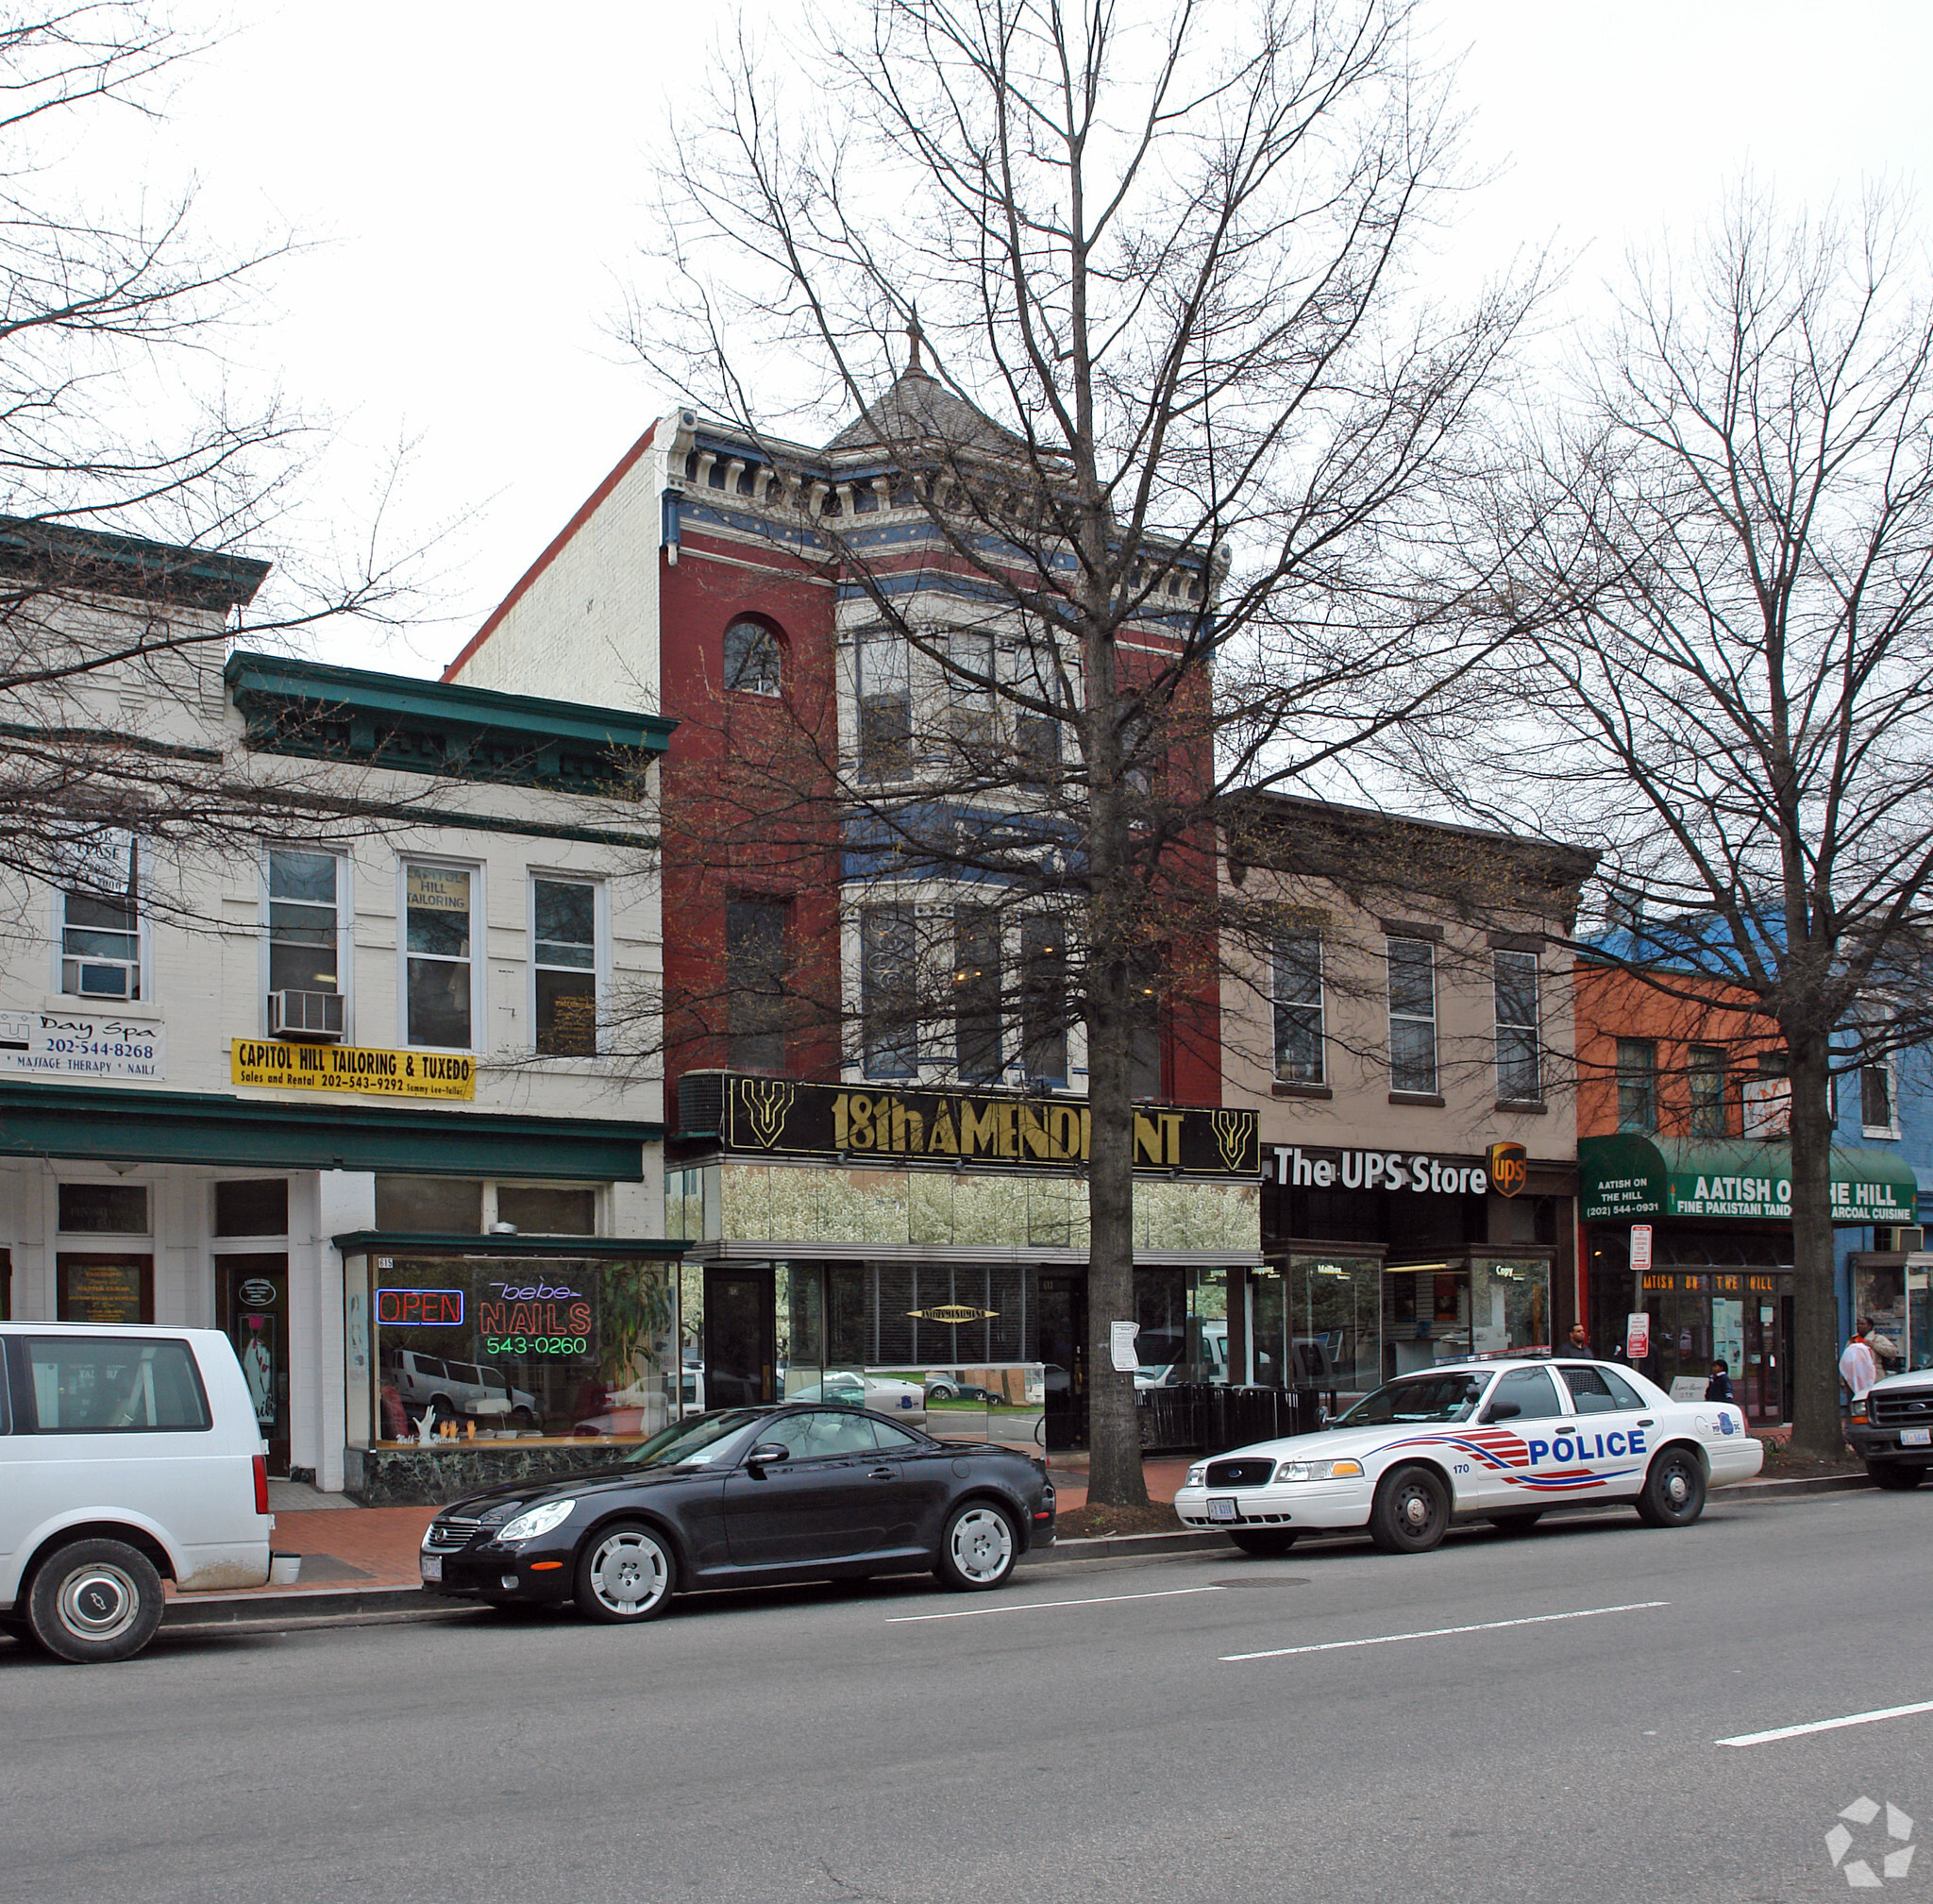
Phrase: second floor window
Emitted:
{"points": [[1519, 1078], [1637, 1085], [100, 921], [1298, 1008], [1037, 735], [755, 973], [1044, 999], [888, 989], [564, 963], [978, 1045], [1876, 1099], [752, 658], [437, 952], [304, 921], [886, 706], [1706, 1088], [969, 689], [1413, 1015]]}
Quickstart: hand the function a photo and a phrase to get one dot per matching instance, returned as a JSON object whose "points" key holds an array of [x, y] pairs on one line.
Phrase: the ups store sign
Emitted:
{"points": [[773, 1117]]}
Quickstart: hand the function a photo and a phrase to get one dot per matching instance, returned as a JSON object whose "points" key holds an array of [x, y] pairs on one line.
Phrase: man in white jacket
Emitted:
{"points": [[1859, 1368]]}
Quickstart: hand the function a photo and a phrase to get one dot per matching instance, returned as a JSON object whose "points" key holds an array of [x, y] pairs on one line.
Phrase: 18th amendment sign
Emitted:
{"points": [[776, 1118]]}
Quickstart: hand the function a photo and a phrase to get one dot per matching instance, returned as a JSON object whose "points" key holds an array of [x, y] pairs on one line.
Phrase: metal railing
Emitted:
{"points": [[1209, 1417]]}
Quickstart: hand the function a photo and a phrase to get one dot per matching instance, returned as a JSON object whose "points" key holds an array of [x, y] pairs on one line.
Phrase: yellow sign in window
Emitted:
{"points": [[270, 1064]]}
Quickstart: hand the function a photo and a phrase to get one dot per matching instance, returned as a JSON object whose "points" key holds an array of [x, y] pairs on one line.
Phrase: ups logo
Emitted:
{"points": [[1509, 1169]]}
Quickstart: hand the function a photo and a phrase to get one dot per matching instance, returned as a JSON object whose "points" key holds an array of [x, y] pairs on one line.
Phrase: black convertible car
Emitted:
{"points": [[747, 1497]]}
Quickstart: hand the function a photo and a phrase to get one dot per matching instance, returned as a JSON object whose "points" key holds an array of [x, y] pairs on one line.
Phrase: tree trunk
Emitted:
{"points": [[1814, 1348], [1114, 1436]]}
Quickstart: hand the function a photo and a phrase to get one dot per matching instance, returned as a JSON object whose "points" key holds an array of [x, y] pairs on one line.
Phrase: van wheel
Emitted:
{"points": [[95, 1601]]}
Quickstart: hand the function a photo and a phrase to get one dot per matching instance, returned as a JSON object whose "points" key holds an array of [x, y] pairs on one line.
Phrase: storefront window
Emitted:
{"points": [[1879, 1291], [1335, 1309], [1510, 1306], [526, 1348]]}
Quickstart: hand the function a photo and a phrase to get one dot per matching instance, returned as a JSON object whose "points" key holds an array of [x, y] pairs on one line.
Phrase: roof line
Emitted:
{"points": [[592, 504]]}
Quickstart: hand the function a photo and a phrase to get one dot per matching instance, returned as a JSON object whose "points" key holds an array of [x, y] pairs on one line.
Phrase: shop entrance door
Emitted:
{"points": [[1763, 1392], [252, 1303], [739, 1354], [1063, 1357]]}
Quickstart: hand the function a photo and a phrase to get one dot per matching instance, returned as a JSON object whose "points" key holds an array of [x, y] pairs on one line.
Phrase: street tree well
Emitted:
{"points": [[1736, 706], [1149, 500]]}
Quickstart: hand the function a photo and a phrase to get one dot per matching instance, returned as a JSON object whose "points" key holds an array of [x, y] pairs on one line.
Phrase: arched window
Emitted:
{"points": [[752, 658]]}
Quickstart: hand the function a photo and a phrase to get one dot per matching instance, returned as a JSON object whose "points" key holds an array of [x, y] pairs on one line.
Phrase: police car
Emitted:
{"points": [[1502, 1441]]}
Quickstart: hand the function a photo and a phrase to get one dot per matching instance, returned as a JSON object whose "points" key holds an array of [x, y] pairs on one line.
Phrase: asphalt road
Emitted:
{"points": [[844, 1744]]}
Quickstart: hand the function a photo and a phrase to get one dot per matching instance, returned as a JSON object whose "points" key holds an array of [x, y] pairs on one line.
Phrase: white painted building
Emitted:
{"points": [[364, 1088]]}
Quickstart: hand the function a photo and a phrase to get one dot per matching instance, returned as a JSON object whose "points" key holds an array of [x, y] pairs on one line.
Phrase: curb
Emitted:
{"points": [[187, 1613]]}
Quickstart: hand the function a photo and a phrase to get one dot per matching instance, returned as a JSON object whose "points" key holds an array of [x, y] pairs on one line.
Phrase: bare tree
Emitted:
{"points": [[131, 471], [1179, 460], [1737, 706]]}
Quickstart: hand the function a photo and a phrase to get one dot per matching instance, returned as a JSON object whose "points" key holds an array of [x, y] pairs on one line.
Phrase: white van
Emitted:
{"points": [[127, 1455], [450, 1390]]}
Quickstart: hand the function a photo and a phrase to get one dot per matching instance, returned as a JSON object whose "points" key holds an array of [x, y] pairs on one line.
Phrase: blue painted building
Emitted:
{"points": [[1890, 1107]]}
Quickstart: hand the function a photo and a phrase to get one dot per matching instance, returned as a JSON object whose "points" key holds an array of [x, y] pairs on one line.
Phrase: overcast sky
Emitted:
{"points": [[473, 178]]}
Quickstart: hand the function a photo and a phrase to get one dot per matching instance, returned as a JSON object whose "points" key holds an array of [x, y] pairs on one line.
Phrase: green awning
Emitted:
{"points": [[1634, 1176]]}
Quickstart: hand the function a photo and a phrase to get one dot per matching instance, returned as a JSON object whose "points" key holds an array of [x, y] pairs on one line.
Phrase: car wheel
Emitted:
{"points": [[1895, 1476], [522, 1418], [625, 1574], [1265, 1546], [1673, 1491], [95, 1601], [1412, 1511], [941, 1391], [1517, 1524], [994, 1401], [978, 1549]]}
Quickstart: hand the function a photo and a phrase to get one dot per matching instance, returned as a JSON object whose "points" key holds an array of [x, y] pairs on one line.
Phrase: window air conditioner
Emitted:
{"points": [[312, 1016], [1907, 1239], [100, 977]]}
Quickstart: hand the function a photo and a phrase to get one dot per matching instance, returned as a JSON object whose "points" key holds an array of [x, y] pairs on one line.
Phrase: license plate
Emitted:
{"points": [[433, 1567], [1223, 1510], [1916, 1437]]}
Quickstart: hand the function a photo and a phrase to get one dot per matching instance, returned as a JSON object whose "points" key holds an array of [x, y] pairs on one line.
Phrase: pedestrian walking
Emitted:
{"points": [[1719, 1388], [1859, 1368]]}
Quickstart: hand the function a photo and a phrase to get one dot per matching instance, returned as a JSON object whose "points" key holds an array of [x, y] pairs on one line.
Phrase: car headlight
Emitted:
{"points": [[1197, 1476], [1318, 1471], [527, 1527]]}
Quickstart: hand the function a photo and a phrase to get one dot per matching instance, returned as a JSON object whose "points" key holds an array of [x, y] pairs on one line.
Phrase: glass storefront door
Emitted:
{"points": [[740, 1355], [252, 1305], [1064, 1360]]}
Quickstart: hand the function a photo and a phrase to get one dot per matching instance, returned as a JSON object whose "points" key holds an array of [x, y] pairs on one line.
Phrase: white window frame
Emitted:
{"points": [[1888, 1064], [1498, 954], [600, 955], [143, 960], [1319, 1005], [478, 915], [345, 958], [1435, 1087]]}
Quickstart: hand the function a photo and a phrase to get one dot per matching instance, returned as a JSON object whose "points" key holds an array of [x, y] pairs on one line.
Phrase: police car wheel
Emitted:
{"points": [[1412, 1511], [1895, 1476], [1673, 1492], [1517, 1524], [1263, 1544]]}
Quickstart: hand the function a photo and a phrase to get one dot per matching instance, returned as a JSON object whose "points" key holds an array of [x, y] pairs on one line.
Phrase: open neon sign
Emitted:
{"points": [[420, 1308]]}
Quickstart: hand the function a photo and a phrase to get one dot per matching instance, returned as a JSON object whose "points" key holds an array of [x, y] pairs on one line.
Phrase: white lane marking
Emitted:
{"points": [[1041, 1606], [1826, 1724], [1444, 1632]]}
